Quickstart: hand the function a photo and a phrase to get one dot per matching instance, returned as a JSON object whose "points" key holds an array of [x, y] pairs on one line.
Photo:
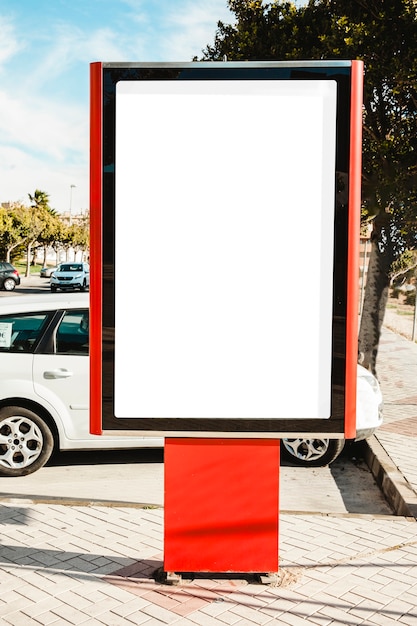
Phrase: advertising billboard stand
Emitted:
{"points": [[219, 191]]}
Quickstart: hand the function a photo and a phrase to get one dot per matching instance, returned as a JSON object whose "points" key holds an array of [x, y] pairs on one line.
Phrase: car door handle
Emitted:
{"points": [[59, 373]]}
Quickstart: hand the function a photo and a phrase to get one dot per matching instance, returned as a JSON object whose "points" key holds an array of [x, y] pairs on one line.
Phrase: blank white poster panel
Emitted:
{"points": [[224, 248]]}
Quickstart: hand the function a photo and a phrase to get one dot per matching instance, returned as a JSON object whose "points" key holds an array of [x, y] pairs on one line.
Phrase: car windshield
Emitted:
{"points": [[71, 267]]}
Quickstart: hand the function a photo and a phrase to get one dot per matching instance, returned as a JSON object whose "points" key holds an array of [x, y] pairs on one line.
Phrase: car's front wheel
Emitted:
{"points": [[9, 284], [26, 441], [311, 452]]}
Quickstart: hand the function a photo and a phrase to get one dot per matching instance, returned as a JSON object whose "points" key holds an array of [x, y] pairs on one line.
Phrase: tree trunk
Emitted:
{"points": [[376, 292], [9, 250], [28, 252]]}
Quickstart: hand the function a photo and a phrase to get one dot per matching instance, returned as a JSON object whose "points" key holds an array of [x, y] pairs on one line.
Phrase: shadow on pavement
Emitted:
{"points": [[106, 457]]}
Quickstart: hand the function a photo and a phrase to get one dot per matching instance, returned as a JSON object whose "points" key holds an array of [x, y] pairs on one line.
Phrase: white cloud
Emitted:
{"points": [[42, 127], [193, 26], [44, 145], [22, 173], [9, 42], [44, 136], [102, 45], [69, 46], [173, 31], [44, 120]]}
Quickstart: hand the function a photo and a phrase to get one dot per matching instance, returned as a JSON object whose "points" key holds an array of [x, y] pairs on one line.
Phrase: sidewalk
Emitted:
{"points": [[94, 565], [394, 447]]}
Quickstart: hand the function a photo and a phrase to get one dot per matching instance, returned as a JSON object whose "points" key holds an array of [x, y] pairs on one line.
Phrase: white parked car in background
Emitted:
{"points": [[71, 276], [46, 272], [44, 389], [320, 451]]}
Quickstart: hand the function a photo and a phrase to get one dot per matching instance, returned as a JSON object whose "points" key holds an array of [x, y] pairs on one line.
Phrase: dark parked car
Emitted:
{"points": [[9, 276]]}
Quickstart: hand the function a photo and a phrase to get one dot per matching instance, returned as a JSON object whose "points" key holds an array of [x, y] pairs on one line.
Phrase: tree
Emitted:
{"points": [[80, 236], [383, 33], [51, 231], [59, 236], [38, 226], [11, 229], [36, 222], [262, 32], [403, 266]]}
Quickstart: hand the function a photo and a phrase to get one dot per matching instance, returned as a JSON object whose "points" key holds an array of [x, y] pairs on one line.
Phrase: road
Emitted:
{"points": [[136, 477], [32, 284]]}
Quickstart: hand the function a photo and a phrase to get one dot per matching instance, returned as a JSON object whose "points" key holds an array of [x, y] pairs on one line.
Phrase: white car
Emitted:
{"points": [[44, 382], [44, 389], [318, 452], [71, 276]]}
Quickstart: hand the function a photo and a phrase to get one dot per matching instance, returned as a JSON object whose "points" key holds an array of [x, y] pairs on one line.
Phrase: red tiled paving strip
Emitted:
{"points": [[189, 596], [407, 427]]}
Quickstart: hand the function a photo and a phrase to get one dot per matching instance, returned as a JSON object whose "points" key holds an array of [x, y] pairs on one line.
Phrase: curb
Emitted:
{"points": [[397, 490]]}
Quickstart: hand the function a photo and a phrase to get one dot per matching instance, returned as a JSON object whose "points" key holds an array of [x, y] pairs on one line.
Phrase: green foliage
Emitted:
{"points": [[410, 298], [13, 230], [383, 33], [39, 200], [23, 229], [262, 32], [404, 264]]}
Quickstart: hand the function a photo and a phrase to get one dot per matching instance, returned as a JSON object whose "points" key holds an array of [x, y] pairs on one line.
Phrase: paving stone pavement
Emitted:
{"points": [[95, 565], [397, 374]]}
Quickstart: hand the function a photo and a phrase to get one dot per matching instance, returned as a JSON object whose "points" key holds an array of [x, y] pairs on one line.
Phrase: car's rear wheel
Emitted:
{"points": [[9, 284], [26, 441], [311, 452]]}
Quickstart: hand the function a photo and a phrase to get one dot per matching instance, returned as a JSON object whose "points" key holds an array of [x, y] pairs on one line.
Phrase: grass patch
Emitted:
{"points": [[21, 268]]}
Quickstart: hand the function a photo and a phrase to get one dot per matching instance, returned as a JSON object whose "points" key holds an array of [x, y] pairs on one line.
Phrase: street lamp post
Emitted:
{"points": [[70, 206]]}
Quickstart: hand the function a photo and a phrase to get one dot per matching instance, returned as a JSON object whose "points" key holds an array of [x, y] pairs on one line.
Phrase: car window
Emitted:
{"points": [[71, 267], [21, 333], [72, 333]]}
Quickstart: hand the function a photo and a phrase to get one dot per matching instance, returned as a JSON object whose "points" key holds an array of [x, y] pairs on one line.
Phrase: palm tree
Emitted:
{"points": [[39, 209]]}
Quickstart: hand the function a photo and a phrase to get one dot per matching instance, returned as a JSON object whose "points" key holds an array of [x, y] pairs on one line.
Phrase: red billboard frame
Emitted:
{"points": [[98, 277]]}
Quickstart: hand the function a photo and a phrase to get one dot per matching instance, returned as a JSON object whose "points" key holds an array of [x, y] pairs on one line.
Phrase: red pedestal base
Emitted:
{"points": [[221, 505]]}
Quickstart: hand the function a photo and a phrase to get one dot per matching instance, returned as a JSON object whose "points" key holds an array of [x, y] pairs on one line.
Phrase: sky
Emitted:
{"points": [[46, 48]]}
